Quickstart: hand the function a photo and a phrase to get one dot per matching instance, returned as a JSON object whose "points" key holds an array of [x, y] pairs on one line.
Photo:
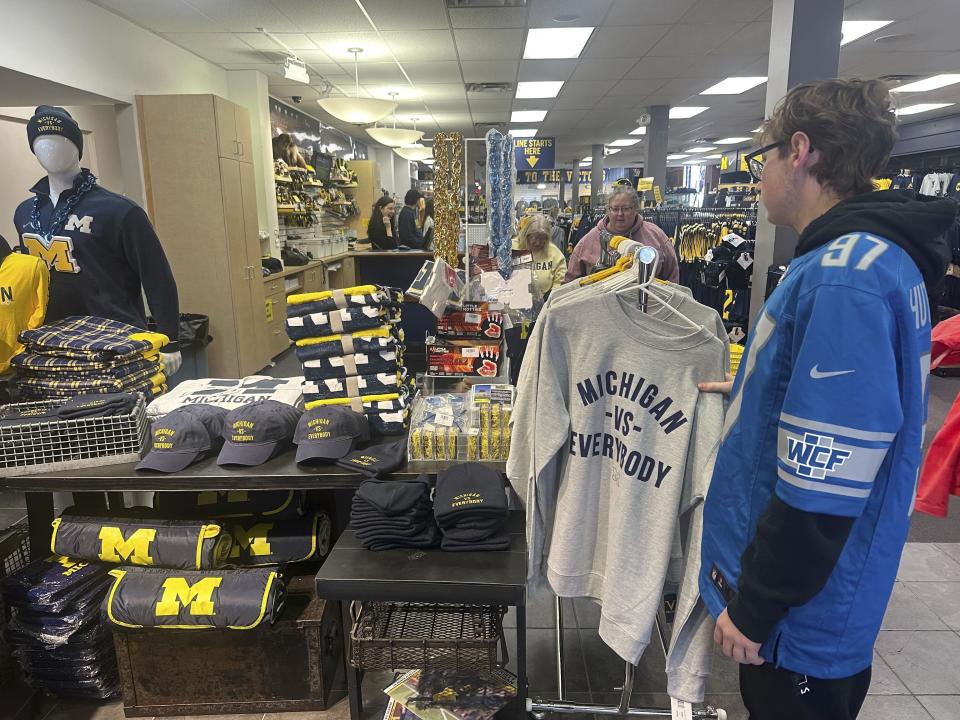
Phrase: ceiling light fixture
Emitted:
{"points": [[626, 142], [698, 161], [733, 140], [681, 112], [358, 110], [293, 66], [734, 85], [555, 43], [930, 83], [608, 151], [642, 130], [565, 18], [527, 116], [921, 108], [700, 149], [415, 152], [676, 156], [851, 30], [588, 158], [522, 132], [540, 89], [394, 137], [712, 157]]}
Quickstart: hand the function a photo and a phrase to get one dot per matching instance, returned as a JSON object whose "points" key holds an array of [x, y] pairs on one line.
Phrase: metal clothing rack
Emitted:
{"points": [[646, 259]]}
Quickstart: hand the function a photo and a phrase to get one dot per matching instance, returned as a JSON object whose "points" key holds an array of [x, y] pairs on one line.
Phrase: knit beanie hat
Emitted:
{"points": [[49, 120]]}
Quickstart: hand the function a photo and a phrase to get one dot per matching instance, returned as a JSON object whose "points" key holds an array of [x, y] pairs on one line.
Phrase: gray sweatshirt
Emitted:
{"points": [[622, 445]]}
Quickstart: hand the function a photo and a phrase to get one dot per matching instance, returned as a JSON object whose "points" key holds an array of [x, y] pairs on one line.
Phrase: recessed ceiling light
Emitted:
{"points": [[930, 83], [642, 130], [712, 157], [565, 18], [681, 112], [733, 140], [855, 29], [627, 142], [588, 158], [676, 157], [555, 43], [608, 151], [734, 85], [922, 107], [544, 89], [523, 132], [527, 115], [698, 161], [703, 148]]}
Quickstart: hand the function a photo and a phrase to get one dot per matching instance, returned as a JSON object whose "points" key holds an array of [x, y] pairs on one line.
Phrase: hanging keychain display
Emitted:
{"points": [[448, 187], [500, 197]]}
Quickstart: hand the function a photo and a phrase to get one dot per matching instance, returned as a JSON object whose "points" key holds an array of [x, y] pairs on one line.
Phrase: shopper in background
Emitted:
{"points": [[407, 231], [811, 496], [380, 231], [549, 264], [428, 224], [623, 218]]}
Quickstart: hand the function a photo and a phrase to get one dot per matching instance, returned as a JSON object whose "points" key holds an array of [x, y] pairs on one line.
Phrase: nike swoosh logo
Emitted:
{"points": [[816, 374]]}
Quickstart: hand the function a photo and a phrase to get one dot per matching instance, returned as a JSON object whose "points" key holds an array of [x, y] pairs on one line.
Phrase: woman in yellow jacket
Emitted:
{"points": [[549, 264]]}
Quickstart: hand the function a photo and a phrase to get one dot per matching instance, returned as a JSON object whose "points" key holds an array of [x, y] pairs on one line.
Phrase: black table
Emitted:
{"points": [[351, 573]]}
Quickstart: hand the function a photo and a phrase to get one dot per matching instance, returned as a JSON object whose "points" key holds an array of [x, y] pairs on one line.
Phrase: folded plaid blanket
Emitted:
{"points": [[91, 338], [27, 365]]}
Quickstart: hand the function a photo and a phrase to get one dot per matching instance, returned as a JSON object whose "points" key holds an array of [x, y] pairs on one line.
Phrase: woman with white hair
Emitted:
{"points": [[549, 264]]}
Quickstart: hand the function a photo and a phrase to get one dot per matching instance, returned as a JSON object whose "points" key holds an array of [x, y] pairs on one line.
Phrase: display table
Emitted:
{"points": [[351, 573]]}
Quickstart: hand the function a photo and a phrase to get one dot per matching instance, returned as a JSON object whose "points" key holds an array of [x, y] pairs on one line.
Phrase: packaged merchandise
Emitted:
{"points": [[237, 599], [463, 357], [474, 321]]}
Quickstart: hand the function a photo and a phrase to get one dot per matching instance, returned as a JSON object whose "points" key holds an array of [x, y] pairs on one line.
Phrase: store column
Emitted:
{"points": [[804, 46], [655, 165], [563, 190], [575, 187], [596, 176]]}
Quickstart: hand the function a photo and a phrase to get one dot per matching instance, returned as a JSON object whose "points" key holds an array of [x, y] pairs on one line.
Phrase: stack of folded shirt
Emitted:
{"points": [[351, 349], [470, 505], [388, 514], [85, 354]]}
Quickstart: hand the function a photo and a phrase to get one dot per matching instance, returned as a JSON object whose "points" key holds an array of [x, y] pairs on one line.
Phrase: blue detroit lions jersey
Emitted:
{"points": [[827, 411]]}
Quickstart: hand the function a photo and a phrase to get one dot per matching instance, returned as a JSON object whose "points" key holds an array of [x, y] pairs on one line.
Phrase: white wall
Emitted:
{"points": [[101, 154]]}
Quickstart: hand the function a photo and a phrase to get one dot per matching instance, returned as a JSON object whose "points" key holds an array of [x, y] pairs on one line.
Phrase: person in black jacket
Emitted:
{"points": [[407, 231], [380, 231]]}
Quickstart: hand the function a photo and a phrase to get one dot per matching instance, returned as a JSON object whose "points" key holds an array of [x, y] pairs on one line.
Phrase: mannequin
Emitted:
{"points": [[101, 249]]}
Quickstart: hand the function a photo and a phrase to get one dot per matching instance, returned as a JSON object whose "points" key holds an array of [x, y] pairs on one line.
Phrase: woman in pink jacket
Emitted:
{"points": [[623, 218]]}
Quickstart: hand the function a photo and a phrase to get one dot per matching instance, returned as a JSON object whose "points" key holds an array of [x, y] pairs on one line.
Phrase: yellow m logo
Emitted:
{"points": [[209, 497], [254, 538], [178, 593], [57, 254], [115, 548]]}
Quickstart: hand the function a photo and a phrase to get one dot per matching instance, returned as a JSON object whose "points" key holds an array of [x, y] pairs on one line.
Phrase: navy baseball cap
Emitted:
{"points": [[329, 432], [258, 431], [183, 436]]}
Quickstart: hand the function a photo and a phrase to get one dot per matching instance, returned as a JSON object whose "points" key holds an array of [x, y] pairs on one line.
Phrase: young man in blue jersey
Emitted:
{"points": [[813, 487]]}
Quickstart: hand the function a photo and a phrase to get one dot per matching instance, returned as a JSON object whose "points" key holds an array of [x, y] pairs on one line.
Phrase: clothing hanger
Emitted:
{"points": [[647, 259]]}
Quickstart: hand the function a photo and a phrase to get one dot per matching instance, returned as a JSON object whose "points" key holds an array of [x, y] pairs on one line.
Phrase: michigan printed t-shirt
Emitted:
{"points": [[622, 447], [24, 284]]}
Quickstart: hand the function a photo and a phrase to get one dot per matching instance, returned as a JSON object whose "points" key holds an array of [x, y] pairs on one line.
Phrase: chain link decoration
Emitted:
{"points": [[447, 192], [500, 198], [60, 215]]}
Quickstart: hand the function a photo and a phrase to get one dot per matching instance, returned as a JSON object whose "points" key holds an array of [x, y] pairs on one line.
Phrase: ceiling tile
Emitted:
{"points": [[533, 103], [488, 18], [546, 69], [489, 70], [574, 102], [311, 16], [606, 69], [294, 41], [635, 87], [421, 46], [433, 72], [754, 38], [442, 91], [710, 11], [653, 66], [407, 15], [563, 118], [685, 87], [486, 44], [585, 88], [320, 59], [624, 41], [448, 106], [591, 14], [244, 15], [385, 73], [216, 47], [882, 10], [171, 16], [335, 45], [705, 37], [286, 92], [720, 66], [644, 12]]}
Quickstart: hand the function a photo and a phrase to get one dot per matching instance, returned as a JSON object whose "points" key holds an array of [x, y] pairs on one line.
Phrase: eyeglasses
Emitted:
{"points": [[757, 159], [621, 210]]}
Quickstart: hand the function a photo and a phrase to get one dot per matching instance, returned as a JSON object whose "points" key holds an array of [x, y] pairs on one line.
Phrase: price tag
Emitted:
{"points": [[501, 394], [744, 261], [445, 419], [733, 239], [471, 318], [680, 710], [470, 352]]}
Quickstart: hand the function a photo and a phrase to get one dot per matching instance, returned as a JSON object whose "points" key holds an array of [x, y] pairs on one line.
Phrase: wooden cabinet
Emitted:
{"points": [[201, 198], [313, 280], [366, 193], [276, 313]]}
